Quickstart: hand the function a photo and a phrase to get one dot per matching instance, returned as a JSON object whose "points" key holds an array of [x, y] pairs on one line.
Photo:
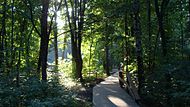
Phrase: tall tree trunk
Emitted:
{"points": [[79, 61], [28, 51], [73, 48], [107, 51], [80, 29], [12, 34], [40, 58], [126, 45], [181, 28], [2, 37], [89, 63], [44, 38], [137, 34], [56, 47], [65, 39], [189, 11], [160, 15], [107, 60], [149, 34], [64, 46], [22, 28], [188, 23], [77, 13], [55, 35]]}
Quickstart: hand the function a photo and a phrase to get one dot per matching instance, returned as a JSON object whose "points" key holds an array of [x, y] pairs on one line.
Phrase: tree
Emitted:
{"points": [[107, 61], [76, 21], [3, 35], [55, 33], [44, 34], [160, 12], [137, 34], [149, 32], [44, 38]]}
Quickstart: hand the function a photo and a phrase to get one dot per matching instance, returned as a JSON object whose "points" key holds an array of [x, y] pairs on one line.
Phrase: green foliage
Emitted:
{"points": [[166, 77], [35, 93], [168, 85]]}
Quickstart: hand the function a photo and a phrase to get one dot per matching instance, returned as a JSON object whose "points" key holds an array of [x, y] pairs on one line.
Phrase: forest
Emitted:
{"points": [[51, 49]]}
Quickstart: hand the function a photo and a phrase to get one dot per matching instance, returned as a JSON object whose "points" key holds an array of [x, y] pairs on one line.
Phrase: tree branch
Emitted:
{"points": [[51, 23], [60, 34], [31, 18]]}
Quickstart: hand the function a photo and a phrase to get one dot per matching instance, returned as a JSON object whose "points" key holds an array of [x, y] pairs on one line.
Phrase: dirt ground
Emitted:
{"points": [[85, 92]]}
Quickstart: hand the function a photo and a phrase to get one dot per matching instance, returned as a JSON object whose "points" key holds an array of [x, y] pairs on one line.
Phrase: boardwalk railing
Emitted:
{"points": [[129, 86]]}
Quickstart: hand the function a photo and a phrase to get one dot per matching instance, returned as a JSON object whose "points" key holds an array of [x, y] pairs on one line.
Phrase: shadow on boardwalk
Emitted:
{"points": [[109, 94]]}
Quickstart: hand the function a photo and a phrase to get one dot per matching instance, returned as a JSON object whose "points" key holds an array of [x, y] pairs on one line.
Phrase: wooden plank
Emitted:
{"points": [[130, 87], [108, 94]]}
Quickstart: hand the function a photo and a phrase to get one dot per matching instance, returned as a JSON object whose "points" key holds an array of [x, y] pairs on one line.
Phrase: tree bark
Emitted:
{"points": [[44, 38], [72, 36], [80, 29], [149, 34], [160, 15], [77, 15], [22, 28], [12, 34], [126, 45], [2, 37], [28, 51], [107, 51], [64, 46], [90, 57], [55, 35], [181, 28], [137, 34]]}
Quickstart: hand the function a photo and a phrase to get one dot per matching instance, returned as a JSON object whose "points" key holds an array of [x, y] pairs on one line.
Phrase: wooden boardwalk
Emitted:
{"points": [[109, 94]]}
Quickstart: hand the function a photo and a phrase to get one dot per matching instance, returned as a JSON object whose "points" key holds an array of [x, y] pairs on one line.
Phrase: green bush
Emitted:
{"points": [[35, 93], [169, 85]]}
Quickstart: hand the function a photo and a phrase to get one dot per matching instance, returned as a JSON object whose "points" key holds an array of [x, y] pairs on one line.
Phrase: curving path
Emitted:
{"points": [[109, 94]]}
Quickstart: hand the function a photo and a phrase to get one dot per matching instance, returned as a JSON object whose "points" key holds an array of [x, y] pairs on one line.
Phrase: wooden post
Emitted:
{"points": [[122, 77]]}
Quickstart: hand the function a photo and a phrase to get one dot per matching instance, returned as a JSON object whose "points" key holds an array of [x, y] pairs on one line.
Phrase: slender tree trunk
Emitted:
{"points": [[137, 34], [189, 11], [126, 45], [28, 51], [65, 39], [12, 34], [160, 15], [64, 46], [77, 18], [89, 63], [162, 33], [80, 29], [107, 51], [3, 34], [79, 64], [149, 34], [107, 60], [181, 26], [55, 35], [76, 34], [188, 23], [40, 58], [73, 48], [55, 45], [75, 51], [44, 38], [22, 28]]}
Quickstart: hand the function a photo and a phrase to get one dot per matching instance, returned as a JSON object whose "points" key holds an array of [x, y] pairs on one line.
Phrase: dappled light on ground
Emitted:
{"points": [[109, 94], [118, 101]]}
